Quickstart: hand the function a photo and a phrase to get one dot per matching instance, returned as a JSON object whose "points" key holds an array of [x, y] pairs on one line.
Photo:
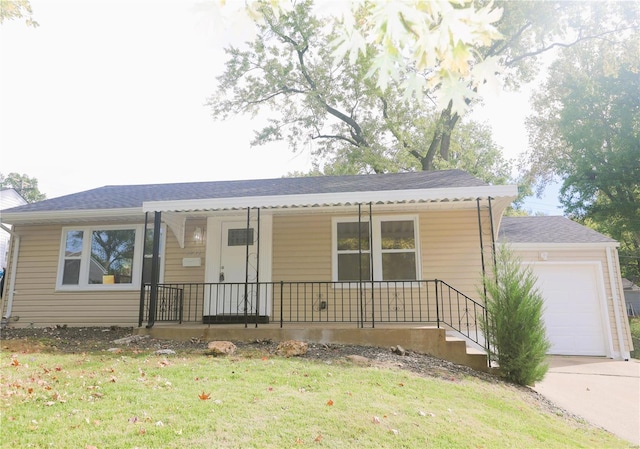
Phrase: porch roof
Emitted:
{"points": [[132, 200]]}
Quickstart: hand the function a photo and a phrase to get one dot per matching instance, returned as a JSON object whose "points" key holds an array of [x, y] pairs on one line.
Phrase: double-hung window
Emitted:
{"points": [[101, 257], [388, 249]]}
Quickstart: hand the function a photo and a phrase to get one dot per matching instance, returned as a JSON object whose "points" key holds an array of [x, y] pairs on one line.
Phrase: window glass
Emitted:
{"points": [[112, 256], [399, 266], [73, 247], [348, 236], [72, 255], [390, 252], [348, 267], [240, 237], [397, 235], [71, 272]]}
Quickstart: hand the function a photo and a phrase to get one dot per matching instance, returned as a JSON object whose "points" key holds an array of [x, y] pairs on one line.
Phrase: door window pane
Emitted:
{"points": [[240, 237]]}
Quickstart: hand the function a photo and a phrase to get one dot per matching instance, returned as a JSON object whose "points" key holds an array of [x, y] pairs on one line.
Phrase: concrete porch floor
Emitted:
{"points": [[430, 340]]}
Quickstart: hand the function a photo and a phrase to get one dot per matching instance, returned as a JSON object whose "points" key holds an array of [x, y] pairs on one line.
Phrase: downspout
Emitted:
{"points": [[493, 237], [15, 248], [616, 304]]}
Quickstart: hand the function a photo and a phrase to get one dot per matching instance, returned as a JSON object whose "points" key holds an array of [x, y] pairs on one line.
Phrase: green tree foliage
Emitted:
{"points": [[17, 9], [586, 131], [354, 124], [514, 325], [27, 187], [359, 124]]}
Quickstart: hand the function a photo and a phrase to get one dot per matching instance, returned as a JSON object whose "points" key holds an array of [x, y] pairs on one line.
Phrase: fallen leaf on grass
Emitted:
{"points": [[329, 402], [318, 438], [204, 396], [15, 362]]}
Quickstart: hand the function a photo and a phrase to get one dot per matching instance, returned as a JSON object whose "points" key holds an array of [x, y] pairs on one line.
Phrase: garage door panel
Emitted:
{"points": [[572, 313]]}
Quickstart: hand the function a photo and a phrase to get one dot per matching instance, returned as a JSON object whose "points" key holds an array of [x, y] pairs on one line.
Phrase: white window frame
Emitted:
{"points": [[83, 281], [376, 244]]}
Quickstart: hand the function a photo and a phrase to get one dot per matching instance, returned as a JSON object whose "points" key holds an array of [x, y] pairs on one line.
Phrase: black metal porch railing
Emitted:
{"points": [[364, 304]]}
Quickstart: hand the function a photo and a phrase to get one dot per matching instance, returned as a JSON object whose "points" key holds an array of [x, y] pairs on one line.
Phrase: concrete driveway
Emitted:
{"points": [[604, 392]]}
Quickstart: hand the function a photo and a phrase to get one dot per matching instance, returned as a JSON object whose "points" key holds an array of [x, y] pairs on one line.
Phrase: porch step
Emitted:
{"points": [[431, 341]]}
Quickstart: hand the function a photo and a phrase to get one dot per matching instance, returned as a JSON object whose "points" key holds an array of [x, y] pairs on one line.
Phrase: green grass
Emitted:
{"points": [[634, 324], [142, 400]]}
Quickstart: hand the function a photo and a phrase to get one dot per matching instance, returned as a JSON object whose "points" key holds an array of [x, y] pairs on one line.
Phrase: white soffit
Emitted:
{"points": [[323, 199]]}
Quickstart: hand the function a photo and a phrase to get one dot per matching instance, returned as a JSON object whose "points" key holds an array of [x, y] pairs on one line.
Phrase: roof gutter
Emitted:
{"points": [[449, 194], [53, 216]]}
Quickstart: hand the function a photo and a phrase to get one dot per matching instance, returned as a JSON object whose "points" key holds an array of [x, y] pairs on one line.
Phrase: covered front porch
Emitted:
{"points": [[358, 263]]}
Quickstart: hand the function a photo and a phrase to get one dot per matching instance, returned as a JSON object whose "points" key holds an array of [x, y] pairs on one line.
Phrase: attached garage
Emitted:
{"points": [[575, 320], [579, 277]]}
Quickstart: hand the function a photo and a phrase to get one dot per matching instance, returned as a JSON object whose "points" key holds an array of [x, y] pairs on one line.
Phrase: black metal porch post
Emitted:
{"points": [[360, 287], [155, 269], [246, 269], [258, 271], [142, 280], [373, 308], [484, 286]]}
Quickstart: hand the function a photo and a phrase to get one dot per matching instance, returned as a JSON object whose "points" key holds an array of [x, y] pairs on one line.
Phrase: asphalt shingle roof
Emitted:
{"points": [[548, 229], [130, 196]]}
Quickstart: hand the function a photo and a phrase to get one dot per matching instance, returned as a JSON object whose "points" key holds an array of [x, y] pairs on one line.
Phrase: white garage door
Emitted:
{"points": [[573, 312]]}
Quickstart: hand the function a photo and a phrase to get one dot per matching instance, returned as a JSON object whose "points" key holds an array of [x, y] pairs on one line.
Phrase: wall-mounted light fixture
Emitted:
{"points": [[198, 236]]}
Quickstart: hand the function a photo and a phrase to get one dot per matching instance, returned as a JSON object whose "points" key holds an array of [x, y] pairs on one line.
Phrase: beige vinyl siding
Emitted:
{"points": [[187, 279], [36, 303], [174, 272], [302, 251], [450, 245], [590, 254], [302, 248]]}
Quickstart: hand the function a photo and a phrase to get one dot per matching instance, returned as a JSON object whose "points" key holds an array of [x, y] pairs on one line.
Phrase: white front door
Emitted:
{"points": [[232, 268], [238, 269]]}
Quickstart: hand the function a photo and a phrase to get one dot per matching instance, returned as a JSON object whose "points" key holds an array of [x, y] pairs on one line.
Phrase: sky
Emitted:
{"points": [[114, 92]]}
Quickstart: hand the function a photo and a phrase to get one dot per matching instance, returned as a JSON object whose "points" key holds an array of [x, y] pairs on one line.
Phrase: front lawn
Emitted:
{"points": [[104, 400]]}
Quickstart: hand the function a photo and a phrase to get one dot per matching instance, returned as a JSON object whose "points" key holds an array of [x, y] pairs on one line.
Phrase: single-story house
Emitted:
{"points": [[402, 249]]}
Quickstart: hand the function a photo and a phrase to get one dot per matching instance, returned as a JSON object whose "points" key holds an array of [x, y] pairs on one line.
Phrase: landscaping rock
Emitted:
{"points": [[398, 350], [130, 339], [221, 347], [165, 352], [292, 348]]}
